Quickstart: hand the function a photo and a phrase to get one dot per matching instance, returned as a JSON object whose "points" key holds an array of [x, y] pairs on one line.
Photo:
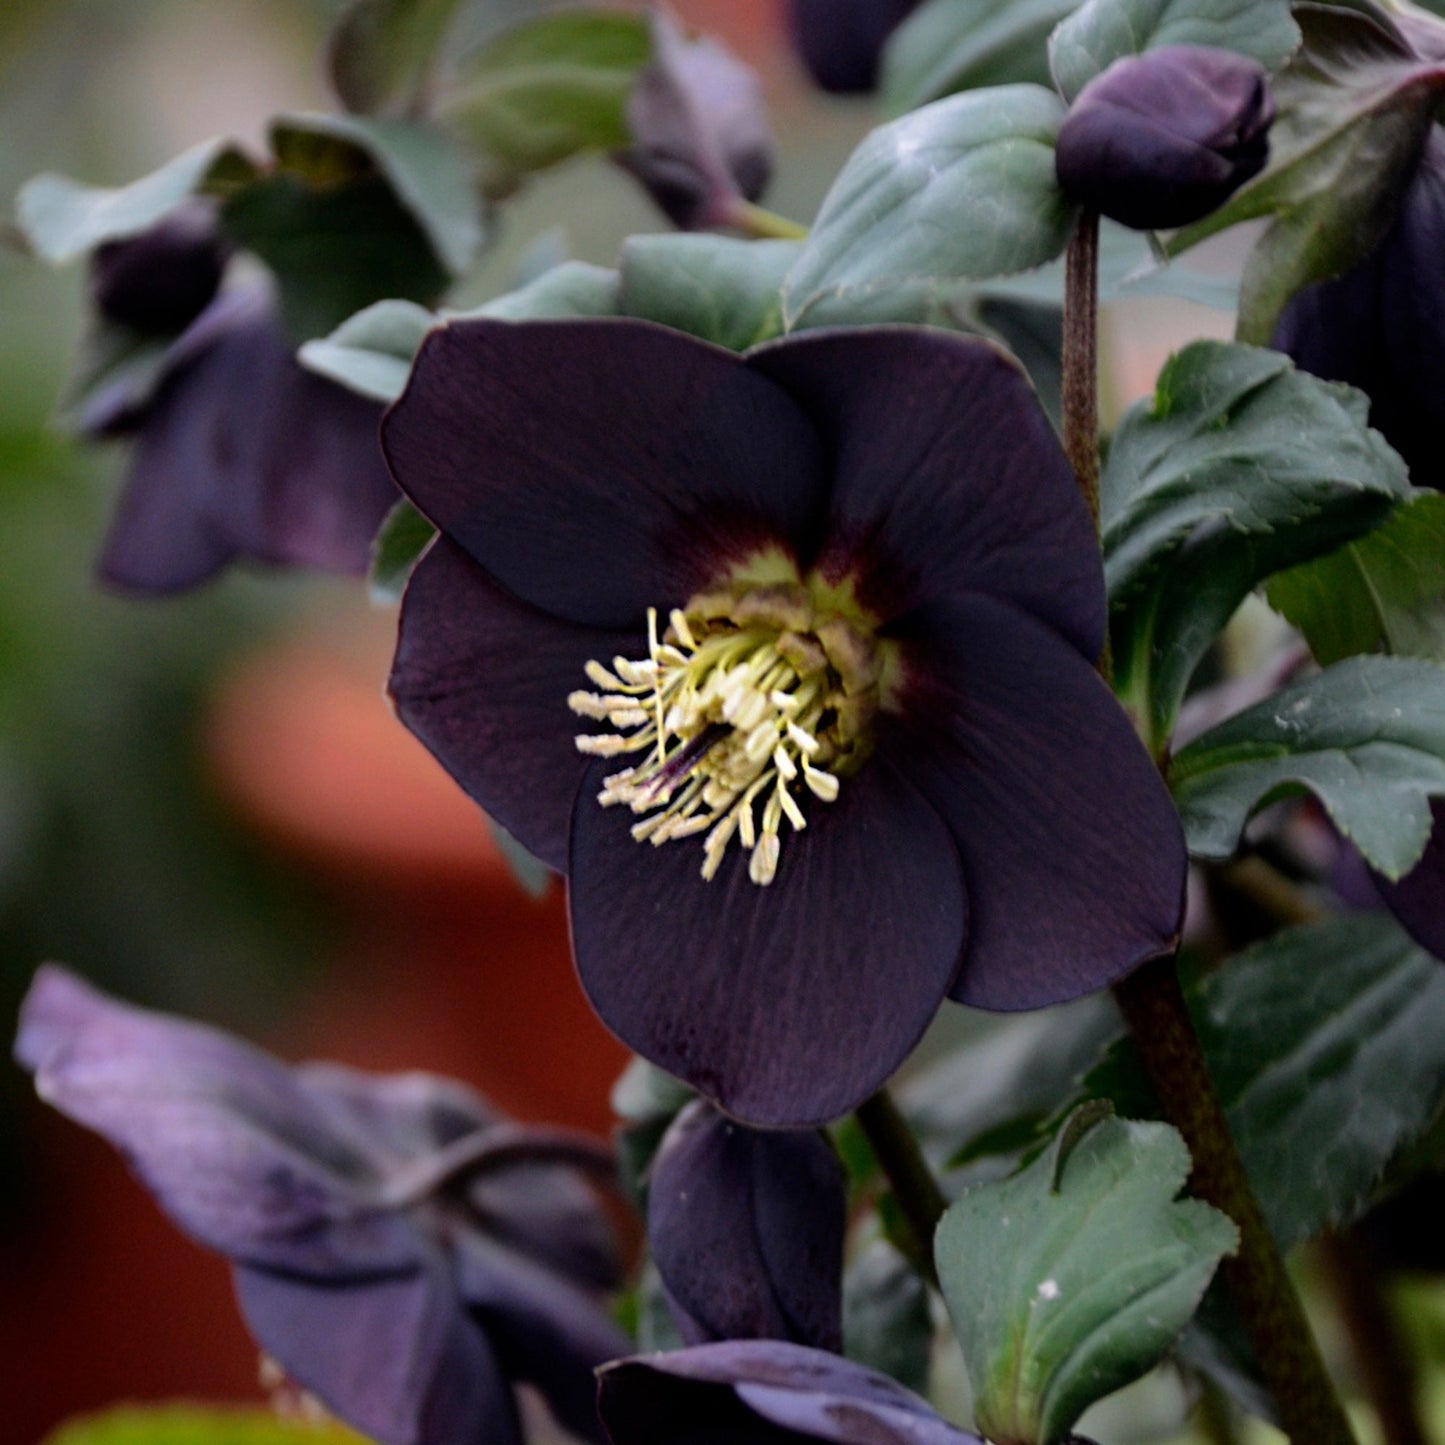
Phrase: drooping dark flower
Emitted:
{"points": [[238, 452], [401, 1251], [1418, 899], [845, 582], [840, 41], [159, 282], [1381, 326], [746, 1229], [1161, 139], [701, 144], [762, 1392]]}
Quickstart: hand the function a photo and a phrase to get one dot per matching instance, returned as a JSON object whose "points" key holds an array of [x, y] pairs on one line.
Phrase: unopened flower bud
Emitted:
{"points": [[1164, 138], [841, 41], [160, 281]]}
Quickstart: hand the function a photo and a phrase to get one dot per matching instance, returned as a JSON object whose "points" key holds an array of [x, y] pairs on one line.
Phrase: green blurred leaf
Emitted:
{"points": [[1354, 108], [533, 876], [63, 219], [886, 1321], [722, 289], [399, 543], [961, 190], [371, 353], [1238, 467], [1100, 32], [1074, 1277], [1366, 737], [575, 288], [547, 89], [1382, 593], [198, 1425], [380, 51], [951, 45]]}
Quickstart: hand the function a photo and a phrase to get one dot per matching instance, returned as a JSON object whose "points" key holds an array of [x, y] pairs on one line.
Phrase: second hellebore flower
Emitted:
{"points": [[399, 1250], [787, 661], [1164, 138]]}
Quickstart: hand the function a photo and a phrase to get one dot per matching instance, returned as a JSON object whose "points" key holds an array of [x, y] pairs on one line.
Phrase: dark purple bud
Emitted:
{"points": [[159, 282], [762, 1392], [1381, 326], [700, 137], [746, 1229], [840, 41], [1163, 138], [1418, 899]]}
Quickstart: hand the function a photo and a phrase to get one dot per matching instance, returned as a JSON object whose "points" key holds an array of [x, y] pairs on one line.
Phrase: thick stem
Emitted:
{"points": [[1158, 1019], [895, 1147], [1381, 1354], [1081, 358]]}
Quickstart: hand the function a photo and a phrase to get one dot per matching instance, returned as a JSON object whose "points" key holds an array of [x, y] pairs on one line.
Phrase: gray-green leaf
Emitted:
{"points": [[371, 353], [380, 51], [1366, 737], [886, 1321], [401, 539], [1100, 32], [962, 189], [1060, 1296]]}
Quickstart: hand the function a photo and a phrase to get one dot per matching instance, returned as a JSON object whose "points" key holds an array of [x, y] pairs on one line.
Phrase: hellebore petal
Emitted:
{"points": [[396, 1358], [1381, 326], [476, 674], [1073, 856], [543, 1328], [841, 41], [764, 1392], [700, 137], [787, 1004], [598, 468], [746, 1230], [234, 1150], [1163, 138], [948, 478], [160, 281], [243, 453], [1418, 899]]}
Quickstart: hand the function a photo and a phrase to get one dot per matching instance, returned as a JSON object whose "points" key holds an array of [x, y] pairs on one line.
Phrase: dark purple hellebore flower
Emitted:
{"points": [[762, 1392], [1381, 326], [401, 1251], [840, 41], [1418, 899], [159, 282], [1161, 139], [852, 585], [700, 138], [746, 1230], [239, 452]]}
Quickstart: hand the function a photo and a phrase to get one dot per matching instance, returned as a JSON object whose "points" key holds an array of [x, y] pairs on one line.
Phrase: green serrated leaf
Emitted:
{"points": [[960, 190], [1239, 467], [1366, 737], [401, 539], [1100, 32], [1354, 108], [1383, 593], [380, 51], [62, 219], [716, 287], [197, 1425], [950, 45], [1059, 1297], [371, 353], [547, 89], [887, 1325]]}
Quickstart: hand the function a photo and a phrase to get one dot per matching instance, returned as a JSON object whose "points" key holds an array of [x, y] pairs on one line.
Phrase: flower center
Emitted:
{"points": [[753, 692]]}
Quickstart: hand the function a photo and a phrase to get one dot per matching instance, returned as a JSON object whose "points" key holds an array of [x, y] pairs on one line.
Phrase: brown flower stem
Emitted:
{"points": [[1158, 1019], [1153, 1004], [1381, 1353], [895, 1146], [1270, 891]]}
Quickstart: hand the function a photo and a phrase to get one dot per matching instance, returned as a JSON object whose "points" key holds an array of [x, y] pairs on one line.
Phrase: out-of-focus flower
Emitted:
{"points": [[700, 138], [401, 1251], [1163, 138], [1418, 899], [840, 41], [746, 1230], [239, 452], [830, 613], [160, 282], [1381, 326], [763, 1392]]}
